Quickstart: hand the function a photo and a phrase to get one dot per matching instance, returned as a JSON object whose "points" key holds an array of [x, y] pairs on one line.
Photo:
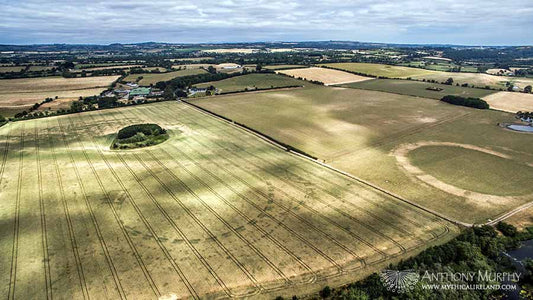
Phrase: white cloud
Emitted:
{"points": [[461, 21]]}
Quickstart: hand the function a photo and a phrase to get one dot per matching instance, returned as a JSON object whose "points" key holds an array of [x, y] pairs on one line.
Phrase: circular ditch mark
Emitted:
{"points": [[413, 171]]}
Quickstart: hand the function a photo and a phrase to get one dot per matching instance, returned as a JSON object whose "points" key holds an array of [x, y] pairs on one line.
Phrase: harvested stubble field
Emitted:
{"points": [[510, 101], [371, 134], [153, 78], [326, 76], [417, 88], [211, 212], [252, 81], [19, 94]]}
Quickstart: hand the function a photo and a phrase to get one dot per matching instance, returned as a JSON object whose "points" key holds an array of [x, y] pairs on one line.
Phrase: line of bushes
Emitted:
{"points": [[468, 102], [261, 89]]}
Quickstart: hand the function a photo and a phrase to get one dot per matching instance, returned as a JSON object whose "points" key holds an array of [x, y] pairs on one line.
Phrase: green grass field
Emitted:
{"points": [[153, 78], [417, 88], [461, 167], [358, 131], [252, 81], [212, 212]]}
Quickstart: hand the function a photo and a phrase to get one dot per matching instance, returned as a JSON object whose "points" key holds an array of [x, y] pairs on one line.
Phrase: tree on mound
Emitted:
{"points": [[139, 135]]}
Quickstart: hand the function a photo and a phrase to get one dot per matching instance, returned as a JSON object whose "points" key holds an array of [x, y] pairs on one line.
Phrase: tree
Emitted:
{"points": [[181, 94], [527, 89], [168, 93], [76, 106], [2, 119], [211, 70], [258, 67], [325, 292], [449, 81], [507, 229]]}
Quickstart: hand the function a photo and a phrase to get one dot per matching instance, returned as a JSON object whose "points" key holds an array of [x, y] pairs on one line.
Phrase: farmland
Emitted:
{"points": [[381, 70], [153, 78], [417, 88], [12, 69], [281, 67], [19, 94], [511, 102], [476, 79], [251, 82], [371, 134], [327, 76], [213, 211]]}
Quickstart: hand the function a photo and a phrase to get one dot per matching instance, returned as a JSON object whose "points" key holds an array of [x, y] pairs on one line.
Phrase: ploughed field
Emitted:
{"points": [[212, 211], [454, 160]]}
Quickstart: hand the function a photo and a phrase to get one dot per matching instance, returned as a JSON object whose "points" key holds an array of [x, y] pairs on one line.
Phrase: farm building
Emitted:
{"points": [[140, 92], [197, 90]]}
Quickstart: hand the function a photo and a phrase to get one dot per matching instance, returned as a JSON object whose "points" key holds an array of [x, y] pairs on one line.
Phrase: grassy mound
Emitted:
{"points": [[139, 135]]}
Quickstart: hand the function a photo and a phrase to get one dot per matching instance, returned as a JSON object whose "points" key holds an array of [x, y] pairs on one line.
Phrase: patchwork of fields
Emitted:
{"points": [[476, 79], [381, 70], [153, 78], [251, 82], [17, 95], [213, 211], [370, 134], [417, 88], [326, 76]]}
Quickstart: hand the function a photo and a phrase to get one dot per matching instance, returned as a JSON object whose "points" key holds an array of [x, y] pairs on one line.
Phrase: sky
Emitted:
{"points": [[463, 22]]}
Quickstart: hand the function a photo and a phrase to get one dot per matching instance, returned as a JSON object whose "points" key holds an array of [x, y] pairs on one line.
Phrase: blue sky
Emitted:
{"points": [[473, 22]]}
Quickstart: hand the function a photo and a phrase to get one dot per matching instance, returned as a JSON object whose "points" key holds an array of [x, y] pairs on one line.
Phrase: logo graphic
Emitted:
{"points": [[399, 281]]}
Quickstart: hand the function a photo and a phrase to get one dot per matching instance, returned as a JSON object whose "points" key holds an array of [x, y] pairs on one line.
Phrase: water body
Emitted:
{"points": [[524, 128], [518, 256], [525, 251]]}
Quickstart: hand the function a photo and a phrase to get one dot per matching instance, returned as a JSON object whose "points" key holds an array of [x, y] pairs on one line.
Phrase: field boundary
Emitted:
{"points": [[306, 156]]}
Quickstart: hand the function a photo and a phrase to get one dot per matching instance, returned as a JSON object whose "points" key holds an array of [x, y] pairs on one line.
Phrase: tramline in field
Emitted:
{"points": [[211, 211]]}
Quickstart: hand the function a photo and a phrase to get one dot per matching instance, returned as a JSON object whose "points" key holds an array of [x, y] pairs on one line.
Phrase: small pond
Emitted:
{"points": [[524, 128]]}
